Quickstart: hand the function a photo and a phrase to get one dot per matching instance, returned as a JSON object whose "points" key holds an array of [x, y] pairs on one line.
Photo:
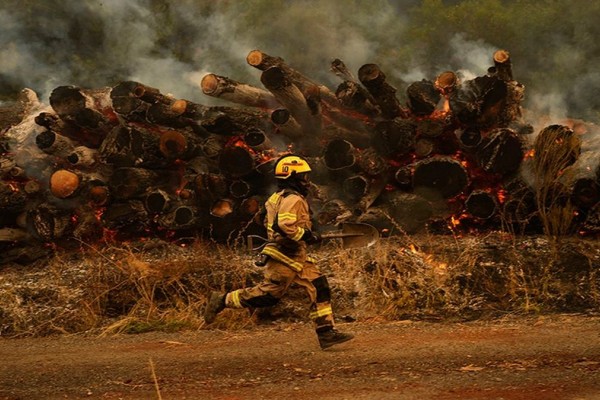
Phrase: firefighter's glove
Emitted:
{"points": [[311, 237], [261, 261]]}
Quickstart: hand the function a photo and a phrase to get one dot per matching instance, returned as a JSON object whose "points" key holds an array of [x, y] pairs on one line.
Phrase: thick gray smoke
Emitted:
{"points": [[170, 45]]}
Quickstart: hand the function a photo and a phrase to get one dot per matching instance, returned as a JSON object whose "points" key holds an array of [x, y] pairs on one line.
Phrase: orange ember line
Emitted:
{"points": [[530, 154]]}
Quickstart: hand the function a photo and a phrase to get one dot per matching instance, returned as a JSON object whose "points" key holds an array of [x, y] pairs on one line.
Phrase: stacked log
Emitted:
{"points": [[130, 161]]}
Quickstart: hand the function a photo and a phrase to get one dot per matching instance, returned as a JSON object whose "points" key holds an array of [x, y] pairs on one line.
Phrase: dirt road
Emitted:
{"points": [[552, 357]]}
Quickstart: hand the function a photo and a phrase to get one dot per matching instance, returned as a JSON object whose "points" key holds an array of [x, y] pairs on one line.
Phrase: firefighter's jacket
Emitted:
{"points": [[287, 219]]}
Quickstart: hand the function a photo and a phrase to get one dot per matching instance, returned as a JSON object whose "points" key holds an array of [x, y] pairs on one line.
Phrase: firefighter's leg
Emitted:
{"points": [[277, 279], [317, 288]]}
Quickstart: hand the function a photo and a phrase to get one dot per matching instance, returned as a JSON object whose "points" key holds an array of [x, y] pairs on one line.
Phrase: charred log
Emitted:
{"points": [[85, 108], [371, 76], [292, 98], [423, 97], [236, 92], [439, 177], [236, 161], [127, 146], [53, 143], [49, 223], [500, 152], [83, 157], [394, 137], [263, 61], [479, 102], [503, 65], [126, 218], [127, 183], [481, 204], [339, 154], [179, 217]]}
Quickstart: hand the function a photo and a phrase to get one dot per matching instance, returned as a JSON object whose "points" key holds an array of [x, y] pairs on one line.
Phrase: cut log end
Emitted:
{"points": [[369, 73], [64, 183], [254, 58], [501, 56], [209, 84]]}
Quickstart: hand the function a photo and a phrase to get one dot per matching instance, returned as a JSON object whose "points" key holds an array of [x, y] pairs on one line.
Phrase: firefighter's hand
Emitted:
{"points": [[261, 261], [311, 237]]}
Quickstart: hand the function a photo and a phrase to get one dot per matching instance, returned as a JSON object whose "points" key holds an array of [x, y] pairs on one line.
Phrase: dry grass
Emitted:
{"points": [[156, 285]]}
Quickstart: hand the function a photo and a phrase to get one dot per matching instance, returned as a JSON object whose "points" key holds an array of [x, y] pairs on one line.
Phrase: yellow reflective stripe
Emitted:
{"points": [[321, 313], [274, 198], [277, 255], [287, 217], [298, 235], [235, 299], [311, 259]]}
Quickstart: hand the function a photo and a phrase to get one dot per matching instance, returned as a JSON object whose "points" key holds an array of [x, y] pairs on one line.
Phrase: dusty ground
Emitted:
{"points": [[550, 357]]}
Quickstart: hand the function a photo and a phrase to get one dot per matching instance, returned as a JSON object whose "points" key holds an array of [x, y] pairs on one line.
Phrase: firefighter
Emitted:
{"points": [[286, 261]]}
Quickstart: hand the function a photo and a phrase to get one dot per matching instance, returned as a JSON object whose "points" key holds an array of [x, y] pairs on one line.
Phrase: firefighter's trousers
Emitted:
{"points": [[278, 278]]}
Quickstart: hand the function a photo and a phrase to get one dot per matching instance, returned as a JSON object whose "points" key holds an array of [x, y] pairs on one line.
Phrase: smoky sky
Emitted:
{"points": [[170, 45]]}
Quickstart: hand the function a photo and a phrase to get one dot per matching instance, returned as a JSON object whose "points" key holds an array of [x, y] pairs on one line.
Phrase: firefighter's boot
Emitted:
{"points": [[215, 304], [333, 337]]}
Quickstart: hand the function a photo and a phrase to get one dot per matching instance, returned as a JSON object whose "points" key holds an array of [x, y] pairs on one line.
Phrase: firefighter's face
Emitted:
{"points": [[304, 179]]}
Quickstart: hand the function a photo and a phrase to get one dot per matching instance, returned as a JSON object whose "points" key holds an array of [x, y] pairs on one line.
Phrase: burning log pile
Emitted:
{"points": [[129, 161]]}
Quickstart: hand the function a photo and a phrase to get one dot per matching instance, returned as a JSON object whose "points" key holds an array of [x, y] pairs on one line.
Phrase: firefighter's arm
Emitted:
{"points": [[290, 212]]}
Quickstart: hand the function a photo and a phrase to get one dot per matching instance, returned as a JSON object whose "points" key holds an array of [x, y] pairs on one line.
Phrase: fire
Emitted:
{"points": [[530, 154], [413, 248], [454, 221], [501, 194]]}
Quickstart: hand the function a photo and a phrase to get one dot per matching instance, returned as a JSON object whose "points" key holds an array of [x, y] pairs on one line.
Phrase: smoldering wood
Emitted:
{"points": [[446, 82], [222, 208], [12, 198], [212, 145], [87, 227], [236, 161], [49, 223], [180, 145], [355, 97], [178, 217], [239, 189], [351, 93], [83, 157], [158, 201], [470, 138], [251, 207], [355, 187], [439, 177], [334, 211], [591, 224], [98, 194], [401, 213], [128, 217], [404, 177], [263, 61], [339, 154], [55, 144], [423, 97], [503, 65], [372, 191], [371, 163], [13, 112], [14, 235], [500, 152], [258, 140], [292, 98], [512, 113], [128, 182], [209, 187], [84, 107], [228, 89], [424, 147], [394, 137], [285, 124], [481, 204], [374, 80], [478, 102], [128, 146], [431, 128]]}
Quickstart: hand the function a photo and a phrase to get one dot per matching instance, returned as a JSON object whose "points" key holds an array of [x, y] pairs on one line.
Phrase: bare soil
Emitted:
{"points": [[548, 357]]}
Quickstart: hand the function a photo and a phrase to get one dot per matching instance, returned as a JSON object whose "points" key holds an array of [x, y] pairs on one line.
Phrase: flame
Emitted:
{"points": [[13, 187], [454, 221], [501, 196], [413, 248], [530, 154]]}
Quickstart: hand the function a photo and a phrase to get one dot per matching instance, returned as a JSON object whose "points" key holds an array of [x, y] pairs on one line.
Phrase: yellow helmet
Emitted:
{"points": [[290, 165]]}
